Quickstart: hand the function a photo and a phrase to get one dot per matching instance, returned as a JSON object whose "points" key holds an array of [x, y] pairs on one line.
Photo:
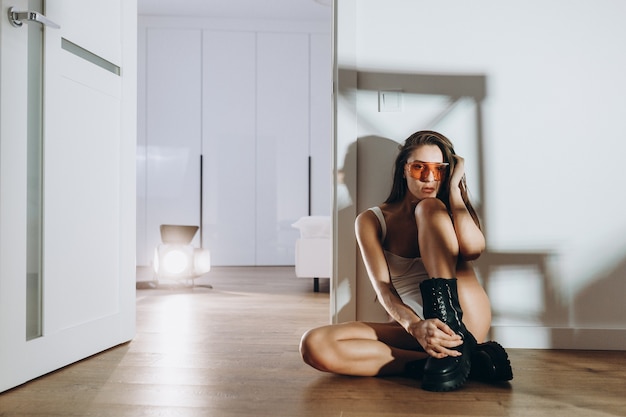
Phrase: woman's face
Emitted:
{"points": [[424, 171]]}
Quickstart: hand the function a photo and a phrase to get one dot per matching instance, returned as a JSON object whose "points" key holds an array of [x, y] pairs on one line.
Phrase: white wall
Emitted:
{"points": [[543, 146]]}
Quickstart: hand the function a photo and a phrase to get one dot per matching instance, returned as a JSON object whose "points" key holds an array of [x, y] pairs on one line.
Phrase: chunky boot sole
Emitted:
{"points": [[448, 373], [490, 363], [448, 381]]}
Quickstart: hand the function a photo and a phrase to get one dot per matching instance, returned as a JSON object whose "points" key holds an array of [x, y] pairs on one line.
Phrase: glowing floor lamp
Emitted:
{"points": [[176, 258]]}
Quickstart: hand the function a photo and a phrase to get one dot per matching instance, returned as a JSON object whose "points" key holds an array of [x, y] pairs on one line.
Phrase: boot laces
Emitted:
{"points": [[441, 302]]}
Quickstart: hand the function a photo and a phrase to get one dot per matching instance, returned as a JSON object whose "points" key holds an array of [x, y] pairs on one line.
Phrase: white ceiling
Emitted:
{"points": [[239, 9]]}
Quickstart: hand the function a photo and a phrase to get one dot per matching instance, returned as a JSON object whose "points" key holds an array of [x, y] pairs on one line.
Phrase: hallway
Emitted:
{"points": [[233, 351]]}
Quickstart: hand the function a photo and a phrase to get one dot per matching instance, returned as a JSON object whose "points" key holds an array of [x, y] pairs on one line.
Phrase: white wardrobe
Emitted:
{"points": [[234, 132]]}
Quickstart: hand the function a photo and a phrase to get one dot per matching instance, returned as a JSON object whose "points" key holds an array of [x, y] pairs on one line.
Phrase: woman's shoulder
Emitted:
{"points": [[368, 224], [372, 217], [372, 213], [368, 214]]}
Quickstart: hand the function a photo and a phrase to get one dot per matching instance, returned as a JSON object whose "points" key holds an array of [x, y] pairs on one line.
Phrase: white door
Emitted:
{"points": [[67, 184], [282, 98], [170, 135], [229, 146]]}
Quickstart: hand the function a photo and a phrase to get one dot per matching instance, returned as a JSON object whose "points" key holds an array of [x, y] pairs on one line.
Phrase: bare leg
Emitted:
{"points": [[439, 249], [474, 302], [437, 240], [360, 349]]}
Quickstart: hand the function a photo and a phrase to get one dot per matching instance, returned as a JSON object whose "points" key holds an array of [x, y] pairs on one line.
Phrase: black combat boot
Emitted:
{"points": [[490, 363], [441, 301]]}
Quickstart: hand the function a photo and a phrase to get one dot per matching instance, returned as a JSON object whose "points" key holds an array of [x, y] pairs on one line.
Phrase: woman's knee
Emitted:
{"points": [[324, 349], [316, 348], [307, 344], [429, 206]]}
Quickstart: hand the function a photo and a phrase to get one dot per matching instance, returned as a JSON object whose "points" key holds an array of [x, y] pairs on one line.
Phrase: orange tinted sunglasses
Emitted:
{"points": [[419, 170]]}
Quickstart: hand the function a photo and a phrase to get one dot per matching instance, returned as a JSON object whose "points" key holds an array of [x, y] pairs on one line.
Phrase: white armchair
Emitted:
{"points": [[313, 248]]}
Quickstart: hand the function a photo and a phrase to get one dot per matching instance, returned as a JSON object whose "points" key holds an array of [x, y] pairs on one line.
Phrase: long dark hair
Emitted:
{"points": [[417, 139]]}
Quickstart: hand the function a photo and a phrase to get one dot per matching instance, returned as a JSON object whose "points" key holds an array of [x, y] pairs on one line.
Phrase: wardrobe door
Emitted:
{"points": [[229, 151], [282, 144], [321, 91], [173, 131]]}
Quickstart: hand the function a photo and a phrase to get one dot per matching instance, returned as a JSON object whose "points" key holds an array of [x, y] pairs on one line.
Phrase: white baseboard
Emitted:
{"points": [[529, 337]]}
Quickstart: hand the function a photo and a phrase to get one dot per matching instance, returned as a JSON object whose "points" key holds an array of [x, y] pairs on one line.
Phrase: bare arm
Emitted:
{"points": [[433, 335], [470, 237], [367, 234]]}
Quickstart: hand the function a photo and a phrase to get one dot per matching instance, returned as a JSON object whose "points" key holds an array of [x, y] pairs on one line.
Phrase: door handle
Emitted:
{"points": [[17, 19]]}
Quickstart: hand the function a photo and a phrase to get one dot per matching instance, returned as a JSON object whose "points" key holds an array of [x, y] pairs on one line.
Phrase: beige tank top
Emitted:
{"points": [[406, 273]]}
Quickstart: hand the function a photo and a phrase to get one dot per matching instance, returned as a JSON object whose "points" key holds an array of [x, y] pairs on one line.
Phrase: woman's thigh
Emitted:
{"points": [[359, 348], [391, 333]]}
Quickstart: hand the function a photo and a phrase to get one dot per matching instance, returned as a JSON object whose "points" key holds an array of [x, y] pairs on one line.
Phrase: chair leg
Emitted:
{"points": [[316, 284]]}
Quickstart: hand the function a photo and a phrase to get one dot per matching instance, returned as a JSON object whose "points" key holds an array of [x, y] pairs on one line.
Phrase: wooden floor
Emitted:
{"points": [[233, 351]]}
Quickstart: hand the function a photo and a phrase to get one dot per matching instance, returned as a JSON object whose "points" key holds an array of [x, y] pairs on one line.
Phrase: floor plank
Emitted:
{"points": [[232, 351]]}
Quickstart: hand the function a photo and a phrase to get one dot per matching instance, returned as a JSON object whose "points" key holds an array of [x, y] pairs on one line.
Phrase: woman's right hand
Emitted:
{"points": [[436, 337], [459, 171]]}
